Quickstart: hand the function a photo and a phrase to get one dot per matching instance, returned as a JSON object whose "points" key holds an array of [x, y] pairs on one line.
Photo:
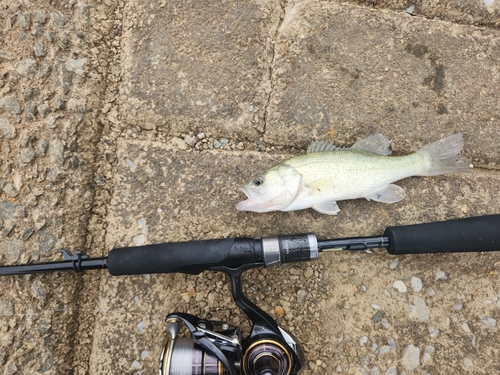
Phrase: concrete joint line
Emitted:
{"points": [[282, 19]]}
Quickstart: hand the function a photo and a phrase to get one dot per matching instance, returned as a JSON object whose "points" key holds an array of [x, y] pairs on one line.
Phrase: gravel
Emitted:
{"points": [[58, 20], [416, 284], [75, 66], [411, 357], [489, 322], [419, 310], [7, 209], [12, 250], [26, 67], [39, 16], [400, 286], [39, 49], [10, 104], [6, 308], [38, 290], [48, 241], [440, 275]]}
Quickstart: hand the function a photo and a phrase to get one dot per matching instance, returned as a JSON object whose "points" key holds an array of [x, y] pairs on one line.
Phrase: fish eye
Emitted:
{"points": [[258, 181]]}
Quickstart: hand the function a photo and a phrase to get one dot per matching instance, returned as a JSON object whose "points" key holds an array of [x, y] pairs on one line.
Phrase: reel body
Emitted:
{"points": [[216, 348]]}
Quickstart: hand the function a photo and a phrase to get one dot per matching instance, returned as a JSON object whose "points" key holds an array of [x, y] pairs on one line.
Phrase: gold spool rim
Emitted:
{"points": [[267, 341]]}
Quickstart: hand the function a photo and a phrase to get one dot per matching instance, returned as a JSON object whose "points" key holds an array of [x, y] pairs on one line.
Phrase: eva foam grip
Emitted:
{"points": [[186, 257], [473, 234]]}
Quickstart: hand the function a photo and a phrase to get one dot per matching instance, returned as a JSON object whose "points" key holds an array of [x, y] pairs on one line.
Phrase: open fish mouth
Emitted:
{"points": [[246, 204]]}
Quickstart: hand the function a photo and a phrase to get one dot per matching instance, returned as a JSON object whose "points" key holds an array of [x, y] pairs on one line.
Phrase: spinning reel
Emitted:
{"points": [[216, 348]]}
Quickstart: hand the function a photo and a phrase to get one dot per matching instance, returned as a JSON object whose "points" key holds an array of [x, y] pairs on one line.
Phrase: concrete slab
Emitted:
{"points": [[342, 72], [478, 13], [344, 308], [215, 77], [53, 60]]}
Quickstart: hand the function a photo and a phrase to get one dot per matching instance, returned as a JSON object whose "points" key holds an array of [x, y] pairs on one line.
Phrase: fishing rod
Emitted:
{"points": [[218, 348]]}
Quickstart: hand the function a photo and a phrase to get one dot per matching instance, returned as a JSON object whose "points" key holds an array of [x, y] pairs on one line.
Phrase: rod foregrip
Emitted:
{"points": [[474, 234], [190, 257]]}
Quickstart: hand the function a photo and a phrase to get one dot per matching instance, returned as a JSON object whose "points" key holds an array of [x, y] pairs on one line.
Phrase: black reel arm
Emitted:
{"points": [[267, 349]]}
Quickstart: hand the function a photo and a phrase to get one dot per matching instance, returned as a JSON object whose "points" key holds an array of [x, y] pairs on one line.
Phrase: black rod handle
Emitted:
{"points": [[190, 257], [473, 234]]}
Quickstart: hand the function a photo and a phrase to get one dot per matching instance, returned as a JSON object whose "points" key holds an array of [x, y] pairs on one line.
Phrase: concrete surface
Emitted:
{"points": [[200, 96]]}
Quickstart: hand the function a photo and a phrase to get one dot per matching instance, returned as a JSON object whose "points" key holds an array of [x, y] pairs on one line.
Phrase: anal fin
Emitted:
{"points": [[390, 194], [327, 208]]}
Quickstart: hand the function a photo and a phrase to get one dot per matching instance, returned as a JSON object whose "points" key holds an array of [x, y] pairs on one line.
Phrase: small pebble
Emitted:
{"points": [[135, 365], [384, 349], [465, 327], [279, 310], [400, 286], [489, 322], [467, 362], [139, 240], [394, 264], [391, 371], [440, 275], [385, 324], [309, 272], [392, 344], [411, 357], [75, 66], [141, 326], [378, 316], [6, 308], [363, 340], [435, 333], [458, 307], [144, 354], [430, 292], [419, 310], [7, 130], [301, 295], [416, 284]]}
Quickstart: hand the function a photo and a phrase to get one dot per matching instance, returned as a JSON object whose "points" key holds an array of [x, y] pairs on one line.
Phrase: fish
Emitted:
{"points": [[327, 174]]}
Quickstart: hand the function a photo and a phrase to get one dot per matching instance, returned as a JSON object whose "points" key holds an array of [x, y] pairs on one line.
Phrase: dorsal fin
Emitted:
{"points": [[322, 146], [376, 143]]}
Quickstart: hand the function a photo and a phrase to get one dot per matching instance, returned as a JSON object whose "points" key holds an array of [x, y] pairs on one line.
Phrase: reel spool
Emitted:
{"points": [[215, 348]]}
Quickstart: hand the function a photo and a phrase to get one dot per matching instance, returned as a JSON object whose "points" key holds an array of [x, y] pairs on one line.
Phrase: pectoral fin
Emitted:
{"points": [[390, 194], [328, 208]]}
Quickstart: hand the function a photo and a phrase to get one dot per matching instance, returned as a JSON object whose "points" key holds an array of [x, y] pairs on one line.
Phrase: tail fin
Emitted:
{"points": [[443, 156]]}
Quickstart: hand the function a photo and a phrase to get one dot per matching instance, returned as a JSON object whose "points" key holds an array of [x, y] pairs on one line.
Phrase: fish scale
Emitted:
{"points": [[347, 174]]}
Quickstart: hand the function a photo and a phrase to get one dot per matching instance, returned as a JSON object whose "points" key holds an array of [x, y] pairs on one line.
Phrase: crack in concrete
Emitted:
{"points": [[282, 18]]}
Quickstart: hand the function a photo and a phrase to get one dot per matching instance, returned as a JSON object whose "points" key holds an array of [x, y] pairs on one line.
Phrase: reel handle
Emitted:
{"points": [[473, 234]]}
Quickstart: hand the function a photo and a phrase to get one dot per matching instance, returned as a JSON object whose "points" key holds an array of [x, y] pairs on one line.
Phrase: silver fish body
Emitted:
{"points": [[327, 174]]}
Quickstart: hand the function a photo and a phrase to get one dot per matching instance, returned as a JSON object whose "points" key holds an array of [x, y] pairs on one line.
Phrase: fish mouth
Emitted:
{"points": [[246, 204]]}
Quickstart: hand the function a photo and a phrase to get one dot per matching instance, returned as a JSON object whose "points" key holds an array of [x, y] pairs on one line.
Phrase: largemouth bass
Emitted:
{"points": [[327, 174]]}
